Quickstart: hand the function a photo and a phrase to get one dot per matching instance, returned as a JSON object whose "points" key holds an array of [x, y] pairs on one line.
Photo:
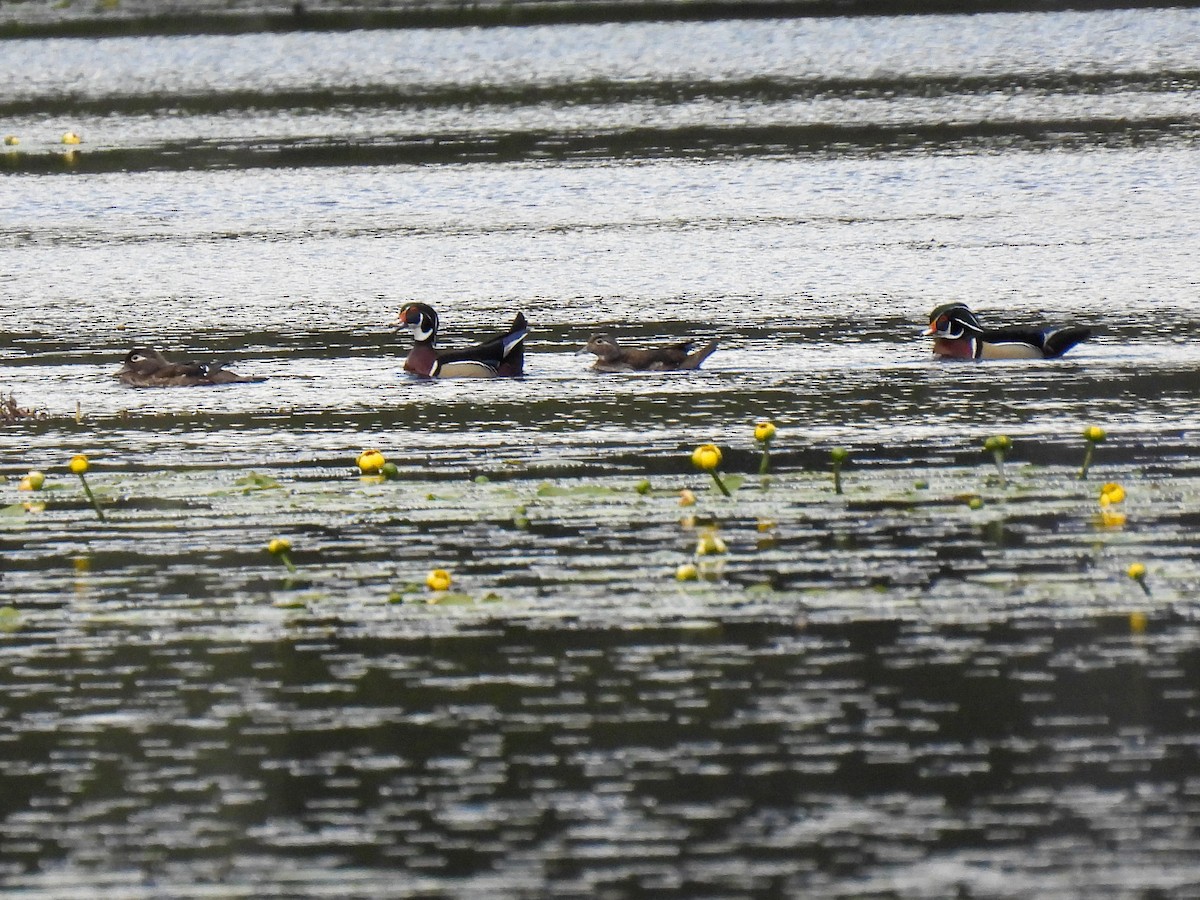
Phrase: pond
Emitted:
{"points": [[940, 681]]}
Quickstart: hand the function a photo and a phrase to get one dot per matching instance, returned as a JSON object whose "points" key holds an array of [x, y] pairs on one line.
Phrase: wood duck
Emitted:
{"points": [[502, 356], [958, 334], [612, 357], [145, 367]]}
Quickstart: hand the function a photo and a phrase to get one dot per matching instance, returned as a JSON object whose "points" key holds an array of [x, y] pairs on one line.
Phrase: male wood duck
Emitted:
{"points": [[145, 367], [612, 357], [502, 356], [958, 334]]}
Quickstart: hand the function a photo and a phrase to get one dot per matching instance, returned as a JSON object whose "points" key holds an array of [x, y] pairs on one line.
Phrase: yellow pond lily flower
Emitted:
{"points": [[371, 462], [1137, 571], [706, 457], [1110, 495], [281, 547], [764, 432], [79, 465], [277, 546], [1094, 435], [438, 580]]}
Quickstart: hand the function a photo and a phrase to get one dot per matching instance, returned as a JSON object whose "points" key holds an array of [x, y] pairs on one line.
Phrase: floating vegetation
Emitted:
{"points": [[10, 620], [530, 534], [11, 411], [255, 481]]}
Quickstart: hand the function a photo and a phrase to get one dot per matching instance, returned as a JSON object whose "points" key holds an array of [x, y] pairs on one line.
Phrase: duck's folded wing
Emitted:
{"points": [[182, 369], [219, 375], [1032, 337], [494, 351]]}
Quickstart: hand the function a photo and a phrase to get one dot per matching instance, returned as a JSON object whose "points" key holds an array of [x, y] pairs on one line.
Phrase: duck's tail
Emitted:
{"points": [[1061, 340], [514, 340], [696, 357], [218, 374]]}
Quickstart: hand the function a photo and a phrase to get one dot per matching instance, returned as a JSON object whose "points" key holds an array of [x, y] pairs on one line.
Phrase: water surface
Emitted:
{"points": [[882, 693]]}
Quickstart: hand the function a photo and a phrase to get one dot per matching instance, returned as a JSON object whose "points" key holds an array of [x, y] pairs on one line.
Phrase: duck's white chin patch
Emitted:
{"points": [[420, 333]]}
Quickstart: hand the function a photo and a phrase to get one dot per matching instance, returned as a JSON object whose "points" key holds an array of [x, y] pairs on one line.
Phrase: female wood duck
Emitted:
{"points": [[958, 334], [502, 356], [612, 357], [145, 367]]}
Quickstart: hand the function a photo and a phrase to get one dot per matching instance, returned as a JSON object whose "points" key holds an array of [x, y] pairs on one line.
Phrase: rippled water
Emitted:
{"points": [[882, 693]]}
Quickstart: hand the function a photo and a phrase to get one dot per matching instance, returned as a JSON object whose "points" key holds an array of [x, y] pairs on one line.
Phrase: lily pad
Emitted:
{"points": [[253, 481]]}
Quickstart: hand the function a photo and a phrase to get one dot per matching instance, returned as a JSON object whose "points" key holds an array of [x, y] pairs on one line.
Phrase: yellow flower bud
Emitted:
{"points": [[687, 572], [438, 580], [79, 464], [1095, 434], [279, 545], [1111, 493], [706, 457], [764, 432], [1137, 571], [32, 482], [11, 140], [710, 544], [998, 443], [371, 461], [71, 137]]}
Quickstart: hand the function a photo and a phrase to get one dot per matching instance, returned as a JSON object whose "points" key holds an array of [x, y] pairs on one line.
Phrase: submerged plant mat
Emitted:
{"points": [[186, 548]]}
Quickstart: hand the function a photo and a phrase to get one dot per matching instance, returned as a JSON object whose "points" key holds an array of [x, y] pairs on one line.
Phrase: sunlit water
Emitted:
{"points": [[882, 693]]}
